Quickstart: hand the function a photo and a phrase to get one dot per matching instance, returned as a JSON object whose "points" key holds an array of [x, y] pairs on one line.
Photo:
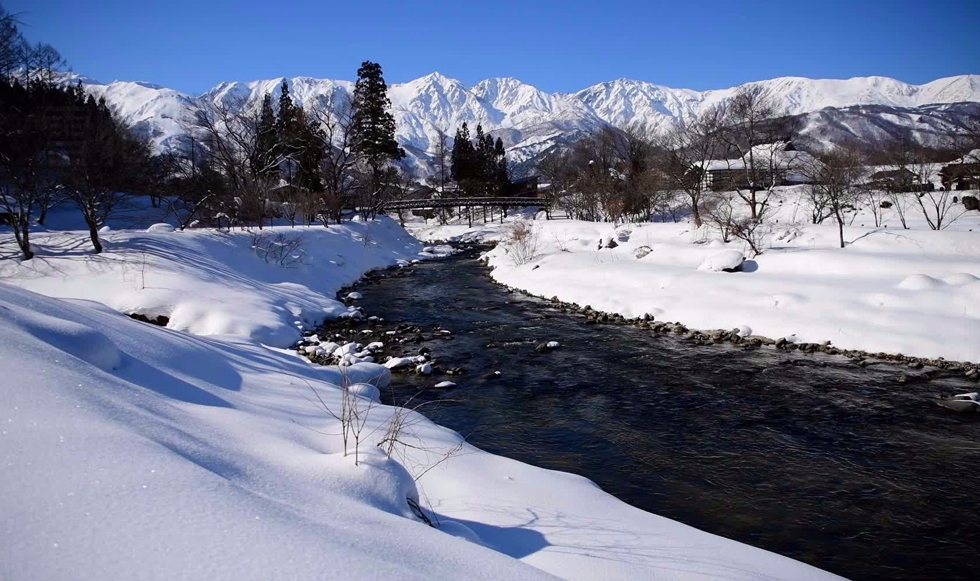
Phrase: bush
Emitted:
{"points": [[279, 249], [522, 242]]}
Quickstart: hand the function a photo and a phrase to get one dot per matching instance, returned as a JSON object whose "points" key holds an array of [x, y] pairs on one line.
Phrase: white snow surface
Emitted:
{"points": [[209, 282], [891, 290], [131, 451]]}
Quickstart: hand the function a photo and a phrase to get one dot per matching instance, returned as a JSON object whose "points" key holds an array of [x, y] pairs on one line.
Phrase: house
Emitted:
{"points": [[963, 174], [778, 164], [523, 188], [897, 180]]}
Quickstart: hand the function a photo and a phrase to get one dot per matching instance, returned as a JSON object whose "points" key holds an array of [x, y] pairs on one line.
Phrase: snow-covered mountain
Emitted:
{"points": [[531, 121]]}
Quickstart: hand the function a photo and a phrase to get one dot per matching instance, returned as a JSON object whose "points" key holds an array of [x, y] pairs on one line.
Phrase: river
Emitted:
{"points": [[806, 455]]}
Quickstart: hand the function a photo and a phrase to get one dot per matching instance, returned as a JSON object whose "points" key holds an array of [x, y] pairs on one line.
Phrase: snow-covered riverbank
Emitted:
{"points": [[204, 449], [891, 290]]}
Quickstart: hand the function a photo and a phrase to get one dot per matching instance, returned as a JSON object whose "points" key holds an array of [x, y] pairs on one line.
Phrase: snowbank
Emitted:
{"points": [[214, 283], [149, 453], [890, 290]]}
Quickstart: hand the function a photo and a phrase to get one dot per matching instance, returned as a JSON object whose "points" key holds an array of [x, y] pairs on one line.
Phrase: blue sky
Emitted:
{"points": [[556, 46]]}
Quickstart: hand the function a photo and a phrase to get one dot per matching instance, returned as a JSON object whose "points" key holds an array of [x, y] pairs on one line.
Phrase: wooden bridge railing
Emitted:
{"points": [[463, 203]]}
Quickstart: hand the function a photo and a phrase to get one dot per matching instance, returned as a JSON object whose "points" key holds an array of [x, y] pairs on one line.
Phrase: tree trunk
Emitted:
{"points": [[22, 233], [840, 229], [696, 213], [93, 232]]}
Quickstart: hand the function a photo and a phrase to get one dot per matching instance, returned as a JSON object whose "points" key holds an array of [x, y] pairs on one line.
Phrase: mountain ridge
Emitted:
{"points": [[529, 119]]}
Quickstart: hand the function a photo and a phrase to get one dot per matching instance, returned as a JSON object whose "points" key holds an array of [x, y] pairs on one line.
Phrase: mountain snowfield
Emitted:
{"points": [[530, 120]]}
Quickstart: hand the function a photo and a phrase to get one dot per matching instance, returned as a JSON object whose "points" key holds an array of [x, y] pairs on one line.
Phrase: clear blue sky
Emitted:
{"points": [[557, 46]]}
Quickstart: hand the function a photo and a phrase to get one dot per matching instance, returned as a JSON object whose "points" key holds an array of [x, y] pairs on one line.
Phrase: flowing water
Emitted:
{"points": [[810, 456]]}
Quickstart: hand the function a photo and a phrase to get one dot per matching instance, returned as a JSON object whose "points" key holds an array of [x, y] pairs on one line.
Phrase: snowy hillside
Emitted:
{"points": [[196, 451], [529, 120]]}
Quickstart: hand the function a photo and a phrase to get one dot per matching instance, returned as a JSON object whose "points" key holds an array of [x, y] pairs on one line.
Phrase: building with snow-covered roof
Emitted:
{"points": [[764, 165], [962, 174]]}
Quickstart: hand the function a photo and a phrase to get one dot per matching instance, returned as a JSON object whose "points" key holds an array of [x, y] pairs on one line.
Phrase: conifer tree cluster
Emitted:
{"points": [[288, 145], [479, 166]]}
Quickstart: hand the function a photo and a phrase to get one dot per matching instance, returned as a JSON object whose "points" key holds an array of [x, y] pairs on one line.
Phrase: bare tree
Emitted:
{"points": [[29, 173], [402, 184], [939, 208], [555, 167], [685, 152], [521, 242], [104, 164], [340, 161], [878, 203], [833, 182], [755, 135], [596, 178], [12, 44]]}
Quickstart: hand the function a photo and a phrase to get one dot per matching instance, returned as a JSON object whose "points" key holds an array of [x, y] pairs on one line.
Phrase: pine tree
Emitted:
{"points": [[310, 152], [287, 132], [501, 178], [463, 160], [287, 112], [485, 165], [266, 142], [374, 125]]}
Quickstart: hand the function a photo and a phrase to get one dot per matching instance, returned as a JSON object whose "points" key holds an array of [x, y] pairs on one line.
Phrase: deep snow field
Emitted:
{"points": [[202, 450], [915, 291]]}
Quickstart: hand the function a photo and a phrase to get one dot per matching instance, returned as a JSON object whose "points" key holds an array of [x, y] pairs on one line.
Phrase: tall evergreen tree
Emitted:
{"points": [[463, 160], [266, 142], [485, 169], [501, 178], [288, 127], [374, 125], [310, 151], [285, 122]]}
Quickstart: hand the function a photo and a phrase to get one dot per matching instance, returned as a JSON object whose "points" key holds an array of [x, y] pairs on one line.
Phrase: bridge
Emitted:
{"points": [[462, 203]]}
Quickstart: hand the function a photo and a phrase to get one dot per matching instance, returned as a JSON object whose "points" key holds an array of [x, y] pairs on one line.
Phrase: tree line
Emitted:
{"points": [[722, 168], [237, 163], [57, 143]]}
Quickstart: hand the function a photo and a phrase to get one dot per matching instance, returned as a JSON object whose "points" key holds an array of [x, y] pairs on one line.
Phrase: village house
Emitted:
{"points": [[963, 174], [768, 164]]}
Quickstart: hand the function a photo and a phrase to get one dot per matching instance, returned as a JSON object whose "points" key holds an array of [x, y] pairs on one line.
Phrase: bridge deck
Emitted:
{"points": [[463, 202]]}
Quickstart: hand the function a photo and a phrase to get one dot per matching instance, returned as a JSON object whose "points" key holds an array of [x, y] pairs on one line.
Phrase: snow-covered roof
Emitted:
{"points": [[784, 157]]}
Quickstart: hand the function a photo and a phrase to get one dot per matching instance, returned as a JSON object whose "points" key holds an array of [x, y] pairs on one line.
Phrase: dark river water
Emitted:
{"points": [[809, 456]]}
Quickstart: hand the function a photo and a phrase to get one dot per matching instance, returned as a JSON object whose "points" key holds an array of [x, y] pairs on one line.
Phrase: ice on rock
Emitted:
{"points": [[445, 384], [642, 251], [720, 261], [424, 369], [399, 362], [553, 344], [160, 227], [346, 349], [354, 296], [375, 346], [744, 331]]}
